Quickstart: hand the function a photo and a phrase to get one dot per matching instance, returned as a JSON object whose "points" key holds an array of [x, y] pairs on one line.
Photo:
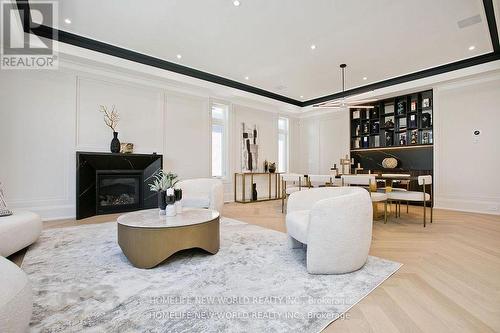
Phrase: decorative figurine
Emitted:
{"points": [[414, 139]]}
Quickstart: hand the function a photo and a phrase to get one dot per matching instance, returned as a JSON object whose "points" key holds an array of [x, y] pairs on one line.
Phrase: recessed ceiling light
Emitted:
{"points": [[472, 47], [236, 3], [179, 56], [365, 78], [67, 21], [247, 78], [301, 96], [313, 47]]}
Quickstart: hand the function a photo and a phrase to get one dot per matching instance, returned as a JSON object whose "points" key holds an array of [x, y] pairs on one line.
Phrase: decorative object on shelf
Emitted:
{"points": [[426, 102], [355, 114], [358, 130], [249, 148], [272, 167], [111, 120], [374, 113], [389, 163], [126, 148], [376, 141], [171, 210], [413, 121], [254, 192], [178, 200], [402, 139], [389, 138], [414, 137], [413, 106], [356, 143], [426, 137], [366, 128], [345, 163], [401, 107], [4, 211], [375, 127], [389, 124], [266, 166], [426, 120]]}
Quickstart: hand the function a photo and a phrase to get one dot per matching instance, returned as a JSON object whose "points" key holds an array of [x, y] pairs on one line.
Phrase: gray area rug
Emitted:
{"points": [[83, 282]]}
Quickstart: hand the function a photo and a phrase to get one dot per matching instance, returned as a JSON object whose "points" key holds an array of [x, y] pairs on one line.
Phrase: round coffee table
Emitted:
{"points": [[147, 238]]}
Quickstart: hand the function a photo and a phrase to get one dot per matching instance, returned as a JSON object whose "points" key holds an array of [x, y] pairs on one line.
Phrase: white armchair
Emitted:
{"points": [[336, 225], [202, 193]]}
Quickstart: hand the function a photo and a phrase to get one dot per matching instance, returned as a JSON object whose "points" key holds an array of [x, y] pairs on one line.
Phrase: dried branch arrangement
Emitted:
{"points": [[110, 118]]}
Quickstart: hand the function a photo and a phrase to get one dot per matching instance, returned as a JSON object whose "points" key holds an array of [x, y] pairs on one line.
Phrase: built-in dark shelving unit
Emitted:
{"points": [[402, 121]]}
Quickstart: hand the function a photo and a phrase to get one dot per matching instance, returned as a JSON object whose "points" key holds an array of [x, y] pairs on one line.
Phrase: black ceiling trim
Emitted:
{"points": [[94, 45], [409, 77], [492, 24]]}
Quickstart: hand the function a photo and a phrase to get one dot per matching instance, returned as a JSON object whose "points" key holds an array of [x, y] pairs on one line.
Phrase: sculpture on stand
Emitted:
{"points": [[249, 149]]}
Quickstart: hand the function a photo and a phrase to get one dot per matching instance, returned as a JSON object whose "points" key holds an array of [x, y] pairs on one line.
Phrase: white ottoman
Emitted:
{"points": [[18, 231], [16, 299]]}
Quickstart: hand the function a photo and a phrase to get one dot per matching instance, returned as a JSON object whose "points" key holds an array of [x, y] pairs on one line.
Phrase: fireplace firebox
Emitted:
{"points": [[118, 191]]}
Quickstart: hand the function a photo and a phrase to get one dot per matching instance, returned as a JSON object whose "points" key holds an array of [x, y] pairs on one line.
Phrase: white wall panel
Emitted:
{"points": [[37, 133], [141, 112], [466, 171], [187, 135]]}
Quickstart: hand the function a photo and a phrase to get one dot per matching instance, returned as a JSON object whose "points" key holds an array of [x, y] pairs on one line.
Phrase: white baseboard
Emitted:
{"points": [[490, 207], [51, 213]]}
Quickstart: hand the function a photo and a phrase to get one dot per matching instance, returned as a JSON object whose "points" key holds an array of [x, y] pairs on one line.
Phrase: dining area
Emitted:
{"points": [[388, 191]]}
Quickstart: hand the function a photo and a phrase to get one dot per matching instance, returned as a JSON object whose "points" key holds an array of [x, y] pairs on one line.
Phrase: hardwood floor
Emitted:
{"points": [[450, 281]]}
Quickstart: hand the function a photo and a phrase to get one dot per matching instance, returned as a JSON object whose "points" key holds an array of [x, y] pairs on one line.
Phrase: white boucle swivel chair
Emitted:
{"points": [[336, 225], [202, 193]]}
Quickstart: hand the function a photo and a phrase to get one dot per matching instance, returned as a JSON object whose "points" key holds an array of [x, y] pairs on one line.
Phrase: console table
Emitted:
{"points": [[244, 178]]}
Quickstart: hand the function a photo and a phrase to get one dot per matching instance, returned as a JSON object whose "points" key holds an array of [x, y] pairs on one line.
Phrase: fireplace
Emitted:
{"points": [[112, 183], [118, 191]]}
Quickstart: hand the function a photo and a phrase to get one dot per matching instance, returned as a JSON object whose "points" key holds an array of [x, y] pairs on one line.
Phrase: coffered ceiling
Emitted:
{"points": [[289, 47]]}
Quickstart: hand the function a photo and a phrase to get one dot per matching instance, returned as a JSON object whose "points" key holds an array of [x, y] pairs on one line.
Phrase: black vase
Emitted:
{"points": [[254, 192], [115, 143], [178, 194], [162, 201]]}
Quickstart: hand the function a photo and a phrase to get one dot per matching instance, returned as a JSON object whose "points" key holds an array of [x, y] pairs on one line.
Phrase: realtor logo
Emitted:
{"points": [[26, 50]]}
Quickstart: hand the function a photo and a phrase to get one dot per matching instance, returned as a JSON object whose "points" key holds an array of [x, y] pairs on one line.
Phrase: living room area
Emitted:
{"points": [[249, 166]]}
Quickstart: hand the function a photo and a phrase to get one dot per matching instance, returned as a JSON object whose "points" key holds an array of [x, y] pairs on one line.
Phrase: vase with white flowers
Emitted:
{"points": [[111, 119], [163, 182]]}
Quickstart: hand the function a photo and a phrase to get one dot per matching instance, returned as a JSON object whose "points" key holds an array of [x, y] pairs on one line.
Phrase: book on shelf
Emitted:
{"points": [[365, 142], [412, 121]]}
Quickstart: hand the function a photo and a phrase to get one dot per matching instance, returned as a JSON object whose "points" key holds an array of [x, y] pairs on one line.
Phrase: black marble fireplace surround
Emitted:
{"points": [[110, 183]]}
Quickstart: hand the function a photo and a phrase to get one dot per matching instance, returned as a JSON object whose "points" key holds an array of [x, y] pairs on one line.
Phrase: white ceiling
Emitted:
{"points": [[269, 40]]}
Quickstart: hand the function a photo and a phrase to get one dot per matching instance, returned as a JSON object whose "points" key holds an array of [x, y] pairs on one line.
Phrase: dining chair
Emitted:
{"points": [[320, 180], [368, 181], [416, 196], [290, 183], [400, 178]]}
